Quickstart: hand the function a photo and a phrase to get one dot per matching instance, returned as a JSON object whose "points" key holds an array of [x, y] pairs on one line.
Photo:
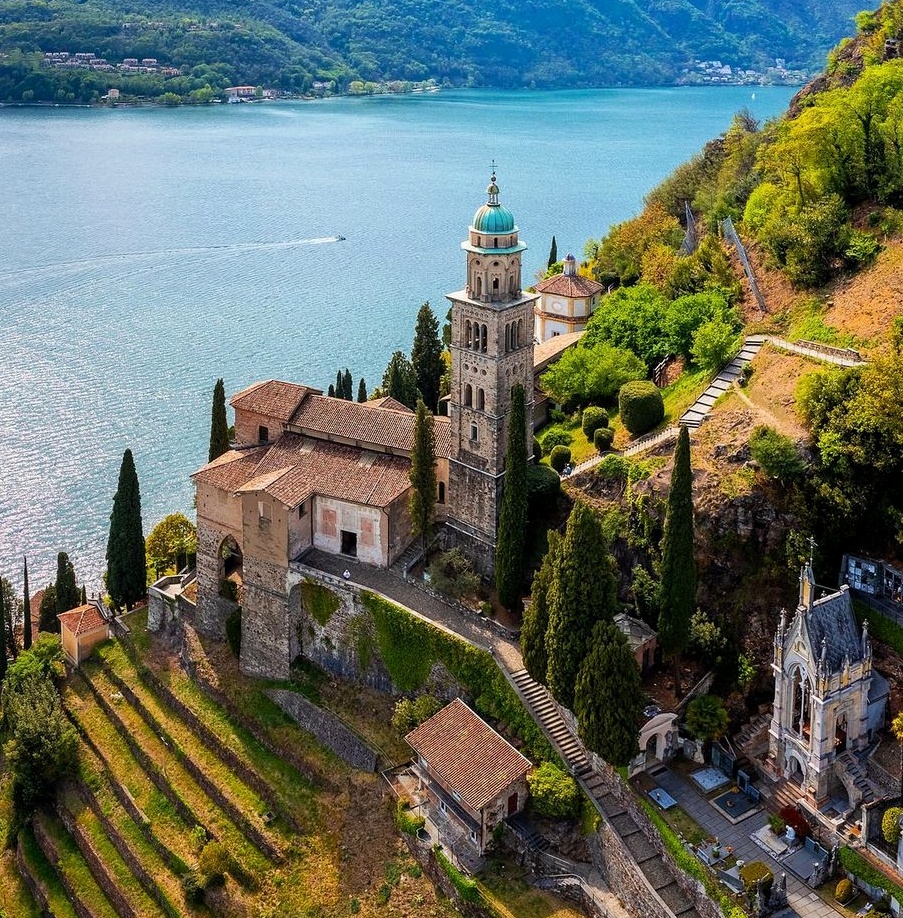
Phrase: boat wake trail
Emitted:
{"points": [[230, 248]]}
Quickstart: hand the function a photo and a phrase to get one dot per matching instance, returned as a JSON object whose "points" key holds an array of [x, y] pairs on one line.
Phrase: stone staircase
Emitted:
{"points": [[852, 774], [752, 731], [524, 829], [545, 712]]}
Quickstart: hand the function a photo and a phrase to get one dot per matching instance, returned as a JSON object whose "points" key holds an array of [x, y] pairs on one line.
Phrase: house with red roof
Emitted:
{"points": [[82, 629]]}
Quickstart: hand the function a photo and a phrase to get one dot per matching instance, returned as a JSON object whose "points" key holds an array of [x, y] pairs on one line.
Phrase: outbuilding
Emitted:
{"points": [[82, 628]]}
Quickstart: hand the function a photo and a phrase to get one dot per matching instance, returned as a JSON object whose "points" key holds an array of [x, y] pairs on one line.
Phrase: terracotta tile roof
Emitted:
{"points": [[388, 402], [573, 285], [231, 470], [466, 755], [295, 467], [362, 423], [549, 351], [273, 398], [82, 619]]}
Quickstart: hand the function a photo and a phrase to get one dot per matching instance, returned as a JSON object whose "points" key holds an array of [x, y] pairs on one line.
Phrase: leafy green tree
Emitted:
{"points": [[714, 343], [219, 426], [591, 375], [707, 718], [170, 543], [775, 453], [608, 697], [47, 620], [126, 559], [42, 746], [423, 476], [536, 616], [582, 593], [553, 793], [678, 567], [400, 381], [631, 318], [426, 356], [68, 595], [512, 535], [362, 390], [26, 635], [553, 253]]}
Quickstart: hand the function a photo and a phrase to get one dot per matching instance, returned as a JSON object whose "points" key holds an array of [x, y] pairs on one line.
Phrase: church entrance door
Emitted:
{"points": [[349, 543]]}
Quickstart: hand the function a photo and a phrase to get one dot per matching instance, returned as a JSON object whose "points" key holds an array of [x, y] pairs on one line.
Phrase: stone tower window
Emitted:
{"points": [[483, 338], [467, 333], [481, 400], [441, 492], [468, 396], [474, 433]]}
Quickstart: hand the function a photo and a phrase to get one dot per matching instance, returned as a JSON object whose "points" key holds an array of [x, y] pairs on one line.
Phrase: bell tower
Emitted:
{"points": [[491, 351]]}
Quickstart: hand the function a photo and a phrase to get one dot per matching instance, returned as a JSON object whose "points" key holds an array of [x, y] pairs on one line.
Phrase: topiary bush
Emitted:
{"points": [[554, 437], [560, 457], [553, 793], [843, 892], [543, 490], [537, 450], [890, 824], [593, 419], [641, 406], [603, 437]]}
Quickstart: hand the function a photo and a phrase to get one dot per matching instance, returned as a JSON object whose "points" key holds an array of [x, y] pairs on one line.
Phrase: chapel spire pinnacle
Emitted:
{"points": [[493, 190]]}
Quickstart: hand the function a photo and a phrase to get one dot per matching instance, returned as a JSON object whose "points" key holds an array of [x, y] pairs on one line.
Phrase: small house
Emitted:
{"points": [[473, 777], [642, 639], [82, 628]]}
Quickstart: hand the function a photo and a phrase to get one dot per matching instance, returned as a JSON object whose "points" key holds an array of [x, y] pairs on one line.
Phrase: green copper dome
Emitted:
{"points": [[492, 217]]}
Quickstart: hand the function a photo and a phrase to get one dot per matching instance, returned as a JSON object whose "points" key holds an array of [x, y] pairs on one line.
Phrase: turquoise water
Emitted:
{"points": [[145, 252]]}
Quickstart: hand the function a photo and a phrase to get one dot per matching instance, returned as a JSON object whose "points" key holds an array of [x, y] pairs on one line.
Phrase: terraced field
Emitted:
{"points": [[164, 770]]}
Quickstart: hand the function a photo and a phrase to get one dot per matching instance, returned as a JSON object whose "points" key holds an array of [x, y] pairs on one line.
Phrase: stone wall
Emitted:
{"points": [[212, 609], [327, 728], [38, 893], [46, 844], [622, 874], [266, 640]]}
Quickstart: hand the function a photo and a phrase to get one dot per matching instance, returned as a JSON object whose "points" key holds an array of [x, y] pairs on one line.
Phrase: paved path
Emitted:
{"points": [[802, 900]]}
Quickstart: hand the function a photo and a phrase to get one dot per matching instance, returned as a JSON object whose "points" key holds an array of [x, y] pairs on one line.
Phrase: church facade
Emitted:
{"points": [[828, 702], [308, 471]]}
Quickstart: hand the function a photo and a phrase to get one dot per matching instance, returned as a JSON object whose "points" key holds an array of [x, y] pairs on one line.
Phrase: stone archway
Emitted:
{"points": [[230, 573]]}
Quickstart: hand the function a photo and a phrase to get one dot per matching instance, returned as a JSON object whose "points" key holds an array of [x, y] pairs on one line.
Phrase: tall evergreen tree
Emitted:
{"points": [[331, 391], [583, 592], [608, 698], [536, 617], [399, 381], [84, 596], [512, 536], [423, 476], [3, 656], [553, 253], [362, 390], [68, 594], [219, 426], [678, 570], [347, 385], [126, 572], [47, 620], [26, 617], [426, 356], [339, 384], [8, 604]]}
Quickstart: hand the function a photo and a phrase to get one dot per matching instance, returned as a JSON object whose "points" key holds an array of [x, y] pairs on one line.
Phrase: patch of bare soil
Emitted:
{"points": [[771, 390], [778, 292]]}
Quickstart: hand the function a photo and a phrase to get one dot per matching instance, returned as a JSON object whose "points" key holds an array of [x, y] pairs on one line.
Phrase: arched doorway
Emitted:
{"points": [[231, 569]]}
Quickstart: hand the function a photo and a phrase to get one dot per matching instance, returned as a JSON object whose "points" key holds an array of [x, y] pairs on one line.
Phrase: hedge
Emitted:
{"points": [[856, 864], [603, 438], [467, 889], [593, 419], [410, 647], [641, 406]]}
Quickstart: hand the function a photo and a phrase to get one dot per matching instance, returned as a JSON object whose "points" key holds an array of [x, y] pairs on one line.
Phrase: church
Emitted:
{"points": [[308, 471], [829, 702]]}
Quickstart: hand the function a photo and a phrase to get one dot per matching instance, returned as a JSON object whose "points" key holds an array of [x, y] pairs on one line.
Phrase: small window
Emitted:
{"points": [[473, 836], [442, 806], [301, 510], [468, 395], [441, 492], [263, 434], [483, 338], [481, 400], [474, 432]]}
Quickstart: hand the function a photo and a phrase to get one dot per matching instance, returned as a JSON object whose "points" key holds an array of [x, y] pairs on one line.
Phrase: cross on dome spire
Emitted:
{"points": [[493, 189]]}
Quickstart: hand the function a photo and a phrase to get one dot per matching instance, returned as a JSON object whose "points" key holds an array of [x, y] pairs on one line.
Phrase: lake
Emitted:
{"points": [[146, 252]]}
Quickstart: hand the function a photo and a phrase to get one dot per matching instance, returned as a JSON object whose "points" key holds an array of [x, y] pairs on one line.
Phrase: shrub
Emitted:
{"points": [[543, 490], [593, 419], [553, 437], [775, 453], [853, 862], [890, 824], [776, 824], [411, 713], [862, 248], [843, 892], [214, 863], [560, 457], [466, 888], [714, 343], [795, 819], [537, 450], [193, 887], [614, 468], [746, 374], [752, 873], [603, 437], [406, 821], [233, 632], [452, 574], [641, 406], [553, 793]]}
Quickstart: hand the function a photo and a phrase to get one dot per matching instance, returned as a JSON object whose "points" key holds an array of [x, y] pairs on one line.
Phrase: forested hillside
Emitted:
{"points": [[291, 46]]}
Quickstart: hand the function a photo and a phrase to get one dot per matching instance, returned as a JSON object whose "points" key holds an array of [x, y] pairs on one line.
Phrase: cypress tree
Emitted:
{"points": [[347, 392], [339, 384], [26, 636], [582, 593], [426, 356], [219, 427], [3, 657], [678, 570], [399, 381], [7, 619], [67, 592], [47, 620], [536, 618], [84, 596], [553, 253], [608, 697], [423, 476], [362, 390], [126, 572], [512, 536], [331, 391]]}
